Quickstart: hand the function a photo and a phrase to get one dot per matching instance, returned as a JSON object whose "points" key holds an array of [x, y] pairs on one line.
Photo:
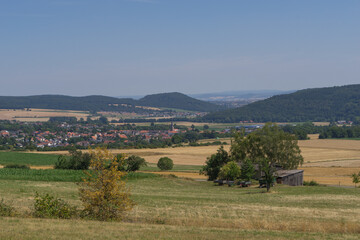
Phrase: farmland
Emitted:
{"points": [[327, 161], [181, 208], [176, 208], [39, 115]]}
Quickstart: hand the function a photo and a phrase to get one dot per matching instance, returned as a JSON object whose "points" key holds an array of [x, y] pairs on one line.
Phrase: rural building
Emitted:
{"points": [[290, 177]]}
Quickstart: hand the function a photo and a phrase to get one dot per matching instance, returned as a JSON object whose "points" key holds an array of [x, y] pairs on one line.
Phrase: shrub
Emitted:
{"points": [[310, 183], [15, 165], [130, 164], [133, 163], [76, 161], [6, 210], [214, 163], [103, 192], [230, 171], [47, 206], [165, 163]]}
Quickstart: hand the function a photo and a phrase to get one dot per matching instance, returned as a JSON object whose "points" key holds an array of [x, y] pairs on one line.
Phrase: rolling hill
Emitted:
{"points": [[178, 101], [103, 103], [317, 104]]}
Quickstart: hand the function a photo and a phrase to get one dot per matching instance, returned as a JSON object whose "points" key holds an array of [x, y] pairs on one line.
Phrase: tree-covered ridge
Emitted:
{"points": [[317, 104], [179, 101], [103, 103]]}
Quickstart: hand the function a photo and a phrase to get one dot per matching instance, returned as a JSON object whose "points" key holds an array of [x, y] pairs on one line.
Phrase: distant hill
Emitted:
{"points": [[318, 104], [244, 95], [179, 101], [103, 103]]}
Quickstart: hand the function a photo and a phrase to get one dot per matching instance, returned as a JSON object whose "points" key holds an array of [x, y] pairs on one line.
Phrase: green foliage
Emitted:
{"points": [[165, 163], [340, 132], [47, 206], [15, 165], [103, 192], [6, 210], [247, 170], [133, 163], [267, 147], [214, 163], [48, 175], [318, 104], [356, 178], [230, 171], [310, 183], [35, 159], [76, 161]]}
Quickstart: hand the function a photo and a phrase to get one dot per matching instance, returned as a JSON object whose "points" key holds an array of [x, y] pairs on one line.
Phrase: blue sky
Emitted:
{"points": [[135, 47]]}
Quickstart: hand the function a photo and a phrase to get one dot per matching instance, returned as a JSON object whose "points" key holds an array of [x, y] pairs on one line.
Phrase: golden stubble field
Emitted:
{"points": [[39, 115], [327, 161]]}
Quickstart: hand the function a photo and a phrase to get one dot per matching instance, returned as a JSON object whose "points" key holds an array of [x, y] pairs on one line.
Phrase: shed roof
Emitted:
{"points": [[284, 173]]}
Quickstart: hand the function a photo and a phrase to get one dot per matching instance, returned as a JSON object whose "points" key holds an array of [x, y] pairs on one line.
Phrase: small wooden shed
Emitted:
{"points": [[290, 177]]}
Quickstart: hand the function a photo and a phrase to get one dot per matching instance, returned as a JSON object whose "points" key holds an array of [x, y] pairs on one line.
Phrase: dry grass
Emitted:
{"points": [[36, 115], [330, 175], [172, 205]]}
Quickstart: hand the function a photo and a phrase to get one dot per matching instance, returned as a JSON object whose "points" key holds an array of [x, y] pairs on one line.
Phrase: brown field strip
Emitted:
{"points": [[41, 115]]}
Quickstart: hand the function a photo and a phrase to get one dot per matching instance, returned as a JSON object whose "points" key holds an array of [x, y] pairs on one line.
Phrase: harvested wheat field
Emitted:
{"points": [[39, 115]]}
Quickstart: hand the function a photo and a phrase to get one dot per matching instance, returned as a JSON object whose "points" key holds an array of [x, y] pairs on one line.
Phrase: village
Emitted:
{"points": [[63, 135]]}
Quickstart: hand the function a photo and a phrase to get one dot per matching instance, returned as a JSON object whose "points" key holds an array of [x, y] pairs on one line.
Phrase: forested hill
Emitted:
{"points": [[103, 103], [88, 103], [179, 101], [317, 104]]}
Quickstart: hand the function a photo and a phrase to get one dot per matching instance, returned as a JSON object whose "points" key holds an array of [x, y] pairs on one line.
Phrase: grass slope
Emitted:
{"points": [[173, 208]]}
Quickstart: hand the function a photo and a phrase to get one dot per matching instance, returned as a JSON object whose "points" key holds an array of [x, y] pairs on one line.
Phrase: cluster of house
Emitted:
{"points": [[85, 136]]}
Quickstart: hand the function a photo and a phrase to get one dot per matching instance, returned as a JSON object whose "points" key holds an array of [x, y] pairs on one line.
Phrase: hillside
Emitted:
{"points": [[179, 101], [318, 104], [104, 103]]}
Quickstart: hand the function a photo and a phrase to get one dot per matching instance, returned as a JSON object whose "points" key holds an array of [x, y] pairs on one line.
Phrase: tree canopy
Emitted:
{"points": [[268, 147]]}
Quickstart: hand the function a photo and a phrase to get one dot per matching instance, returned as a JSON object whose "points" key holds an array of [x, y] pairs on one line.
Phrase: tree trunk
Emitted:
{"points": [[267, 186]]}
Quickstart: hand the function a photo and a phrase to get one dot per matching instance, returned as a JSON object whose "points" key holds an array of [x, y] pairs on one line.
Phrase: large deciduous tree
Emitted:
{"points": [[214, 163], [267, 147]]}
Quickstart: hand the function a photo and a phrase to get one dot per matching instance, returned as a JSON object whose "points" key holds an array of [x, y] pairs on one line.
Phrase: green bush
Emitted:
{"points": [[47, 206], [310, 183], [15, 165], [76, 161], [133, 163], [165, 163], [230, 171], [6, 210]]}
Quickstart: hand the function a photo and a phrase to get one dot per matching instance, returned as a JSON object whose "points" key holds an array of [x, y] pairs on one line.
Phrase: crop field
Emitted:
{"points": [[34, 159], [327, 161], [176, 208], [39, 115]]}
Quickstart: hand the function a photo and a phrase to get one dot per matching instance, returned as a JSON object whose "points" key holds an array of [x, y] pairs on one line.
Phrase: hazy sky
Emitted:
{"points": [[134, 47]]}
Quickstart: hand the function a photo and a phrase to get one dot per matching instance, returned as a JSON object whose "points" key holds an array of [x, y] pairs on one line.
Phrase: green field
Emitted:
{"points": [[55, 175], [34, 159], [175, 208]]}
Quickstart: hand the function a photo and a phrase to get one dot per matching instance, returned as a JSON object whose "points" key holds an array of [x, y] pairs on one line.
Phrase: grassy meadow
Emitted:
{"points": [[176, 208], [34, 159]]}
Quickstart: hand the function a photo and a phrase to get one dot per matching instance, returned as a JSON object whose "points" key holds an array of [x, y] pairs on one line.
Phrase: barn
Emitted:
{"points": [[290, 177]]}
